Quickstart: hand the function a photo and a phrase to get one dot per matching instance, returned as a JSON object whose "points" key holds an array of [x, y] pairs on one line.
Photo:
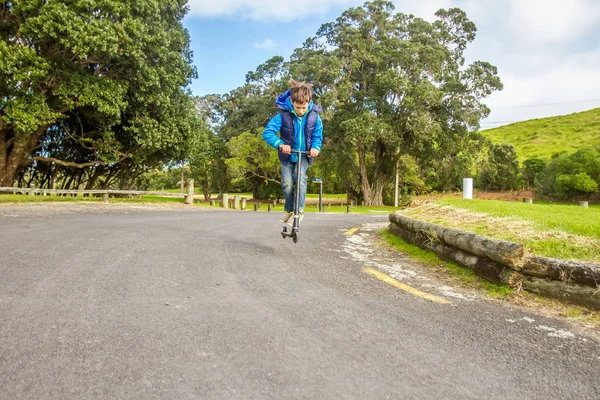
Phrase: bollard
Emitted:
{"points": [[468, 188], [236, 202], [269, 207], [527, 200], [225, 200], [583, 204], [212, 203], [255, 207], [189, 197], [347, 209], [324, 207], [105, 197], [243, 203]]}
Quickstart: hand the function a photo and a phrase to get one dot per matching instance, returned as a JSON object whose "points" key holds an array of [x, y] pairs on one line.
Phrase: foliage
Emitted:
{"points": [[395, 85], [573, 174], [94, 87], [255, 161], [533, 169], [501, 172]]}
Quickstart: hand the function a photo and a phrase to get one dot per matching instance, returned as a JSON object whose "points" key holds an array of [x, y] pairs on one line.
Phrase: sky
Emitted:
{"points": [[547, 51]]}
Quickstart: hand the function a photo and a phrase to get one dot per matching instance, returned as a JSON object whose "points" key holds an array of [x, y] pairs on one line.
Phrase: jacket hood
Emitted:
{"points": [[284, 102]]}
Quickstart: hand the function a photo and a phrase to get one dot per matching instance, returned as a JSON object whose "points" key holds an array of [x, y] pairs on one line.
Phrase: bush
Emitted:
{"points": [[501, 172], [572, 174]]}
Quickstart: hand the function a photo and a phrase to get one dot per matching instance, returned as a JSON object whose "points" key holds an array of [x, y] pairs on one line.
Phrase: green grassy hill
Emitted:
{"points": [[540, 138]]}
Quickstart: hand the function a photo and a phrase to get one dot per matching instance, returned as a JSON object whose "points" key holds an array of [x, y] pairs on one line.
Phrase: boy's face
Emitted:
{"points": [[300, 108]]}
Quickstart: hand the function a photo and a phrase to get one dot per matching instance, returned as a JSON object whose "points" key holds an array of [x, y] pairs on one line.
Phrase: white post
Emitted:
{"points": [[467, 188], [396, 189]]}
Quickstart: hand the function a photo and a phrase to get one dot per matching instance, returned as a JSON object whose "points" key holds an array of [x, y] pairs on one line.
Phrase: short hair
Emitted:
{"points": [[301, 91]]}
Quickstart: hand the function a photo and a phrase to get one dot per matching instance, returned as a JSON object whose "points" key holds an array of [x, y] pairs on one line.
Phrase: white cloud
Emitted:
{"points": [[425, 9], [262, 10], [267, 44], [546, 51], [543, 21]]}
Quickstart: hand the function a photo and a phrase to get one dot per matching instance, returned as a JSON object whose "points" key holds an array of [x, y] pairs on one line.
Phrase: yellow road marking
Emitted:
{"points": [[351, 231], [388, 279]]}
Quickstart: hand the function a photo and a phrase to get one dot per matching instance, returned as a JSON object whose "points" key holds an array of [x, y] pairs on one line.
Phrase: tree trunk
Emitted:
{"points": [[5, 180], [372, 192], [92, 181], [205, 190], [67, 182], [15, 156], [181, 183]]}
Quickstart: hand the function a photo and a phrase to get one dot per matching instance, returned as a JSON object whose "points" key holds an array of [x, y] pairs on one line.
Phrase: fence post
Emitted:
{"points": [[189, 197], [225, 200]]}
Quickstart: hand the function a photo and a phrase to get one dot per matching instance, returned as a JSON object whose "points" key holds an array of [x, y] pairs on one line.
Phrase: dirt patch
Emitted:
{"points": [[516, 195]]}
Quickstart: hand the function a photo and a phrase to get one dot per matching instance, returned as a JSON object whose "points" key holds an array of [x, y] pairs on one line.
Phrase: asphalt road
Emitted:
{"points": [[113, 302]]}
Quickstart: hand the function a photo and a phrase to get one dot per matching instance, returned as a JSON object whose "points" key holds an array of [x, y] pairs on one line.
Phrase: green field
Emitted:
{"points": [[541, 138], [546, 229]]}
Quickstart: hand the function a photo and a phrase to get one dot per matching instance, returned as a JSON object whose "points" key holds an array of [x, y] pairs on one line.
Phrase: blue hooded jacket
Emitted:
{"points": [[299, 140]]}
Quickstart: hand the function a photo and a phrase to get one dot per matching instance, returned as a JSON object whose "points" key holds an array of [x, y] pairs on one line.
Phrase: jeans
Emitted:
{"points": [[288, 181]]}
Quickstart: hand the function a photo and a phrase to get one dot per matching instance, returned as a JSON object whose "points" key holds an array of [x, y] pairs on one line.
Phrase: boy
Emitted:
{"points": [[300, 128]]}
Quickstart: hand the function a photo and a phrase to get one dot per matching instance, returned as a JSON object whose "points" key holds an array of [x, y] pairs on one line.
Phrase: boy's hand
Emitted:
{"points": [[285, 149], [314, 152]]}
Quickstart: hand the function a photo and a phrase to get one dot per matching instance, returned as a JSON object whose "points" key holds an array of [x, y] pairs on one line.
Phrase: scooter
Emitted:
{"points": [[296, 225]]}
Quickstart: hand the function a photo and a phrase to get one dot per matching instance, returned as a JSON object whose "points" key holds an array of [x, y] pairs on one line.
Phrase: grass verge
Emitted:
{"points": [[465, 276], [552, 230]]}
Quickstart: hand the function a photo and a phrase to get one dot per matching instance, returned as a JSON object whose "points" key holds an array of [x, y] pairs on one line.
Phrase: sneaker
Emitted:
{"points": [[291, 220], [286, 216]]}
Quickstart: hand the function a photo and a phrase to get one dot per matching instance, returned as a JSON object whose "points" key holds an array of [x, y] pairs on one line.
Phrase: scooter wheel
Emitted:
{"points": [[296, 238]]}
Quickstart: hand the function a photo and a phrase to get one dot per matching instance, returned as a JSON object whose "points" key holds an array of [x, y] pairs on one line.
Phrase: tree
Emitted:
{"points": [[107, 75], [396, 85], [502, 169], [254, 161], [241, 115], [533, 169], [573, 174]]}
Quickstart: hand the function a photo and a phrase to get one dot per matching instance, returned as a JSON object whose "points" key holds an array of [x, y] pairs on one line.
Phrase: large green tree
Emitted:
{"points": [[395, 85], [104, 79]]}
